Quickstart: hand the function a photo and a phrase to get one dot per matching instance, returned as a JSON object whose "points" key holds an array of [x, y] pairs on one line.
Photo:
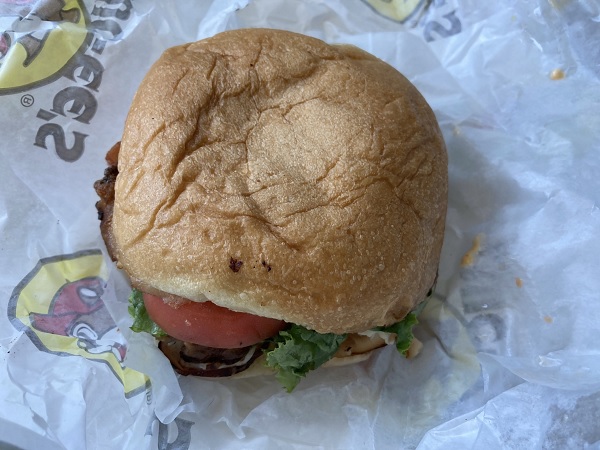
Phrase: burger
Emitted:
{"points": [[278, 204]]}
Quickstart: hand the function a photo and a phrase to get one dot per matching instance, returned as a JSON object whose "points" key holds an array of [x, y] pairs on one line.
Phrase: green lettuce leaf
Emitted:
{"points": [[403, 331], [141, 320], [299, 350]]}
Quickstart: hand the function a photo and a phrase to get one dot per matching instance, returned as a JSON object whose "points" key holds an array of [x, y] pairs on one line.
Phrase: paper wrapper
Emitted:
{"points": [[511, 355]]}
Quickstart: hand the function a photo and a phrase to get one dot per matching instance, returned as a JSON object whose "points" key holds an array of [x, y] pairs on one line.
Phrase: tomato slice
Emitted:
{"points": [[210, 325]]}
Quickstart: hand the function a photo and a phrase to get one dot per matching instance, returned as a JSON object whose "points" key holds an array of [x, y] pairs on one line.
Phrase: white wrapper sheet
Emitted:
{"points": [[511, 355]]}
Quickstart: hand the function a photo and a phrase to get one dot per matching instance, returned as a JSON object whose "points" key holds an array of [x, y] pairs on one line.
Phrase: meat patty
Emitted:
{"points": [[105, 188], [194, 359]]}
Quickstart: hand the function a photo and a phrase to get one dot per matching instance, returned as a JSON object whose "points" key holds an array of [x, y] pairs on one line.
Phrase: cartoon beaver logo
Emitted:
{"points": [[59, 305], [38, 38], [77, 310]]}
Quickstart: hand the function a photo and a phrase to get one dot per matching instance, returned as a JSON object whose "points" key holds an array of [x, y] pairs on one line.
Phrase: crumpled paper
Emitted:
{"points": [[511, 357]]}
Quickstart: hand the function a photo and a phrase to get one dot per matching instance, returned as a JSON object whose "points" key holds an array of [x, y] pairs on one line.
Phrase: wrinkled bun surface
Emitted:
{"points": [[278, 175]]}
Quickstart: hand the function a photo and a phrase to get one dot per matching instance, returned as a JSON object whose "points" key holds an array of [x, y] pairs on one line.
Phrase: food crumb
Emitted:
{"points": [[557, 74], [548, 319], [468, 258], [519, 282]]}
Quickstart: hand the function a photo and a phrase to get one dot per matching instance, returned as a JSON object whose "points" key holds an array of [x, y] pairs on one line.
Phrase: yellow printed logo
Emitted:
{"points": [[397, 10], [59, 305], [38, 40]]}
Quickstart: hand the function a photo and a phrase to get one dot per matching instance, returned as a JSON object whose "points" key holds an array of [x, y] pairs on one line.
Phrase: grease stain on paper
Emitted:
{"points": [[468, 258]]}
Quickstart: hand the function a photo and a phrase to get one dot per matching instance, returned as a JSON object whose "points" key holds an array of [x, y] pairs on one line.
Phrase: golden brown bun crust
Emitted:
{"points": [[281, 176]]}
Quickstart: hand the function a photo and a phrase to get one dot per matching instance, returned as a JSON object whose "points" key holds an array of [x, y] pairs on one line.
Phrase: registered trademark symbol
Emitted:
{"points": [[27, 100]]}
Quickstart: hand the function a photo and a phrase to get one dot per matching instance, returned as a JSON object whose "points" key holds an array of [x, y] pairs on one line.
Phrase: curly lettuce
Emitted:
{"points": [[299, 350], [141, 320], [403, 331]]}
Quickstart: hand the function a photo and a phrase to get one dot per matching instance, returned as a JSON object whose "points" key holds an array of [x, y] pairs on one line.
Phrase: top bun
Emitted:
{"points": [[274, 174]]}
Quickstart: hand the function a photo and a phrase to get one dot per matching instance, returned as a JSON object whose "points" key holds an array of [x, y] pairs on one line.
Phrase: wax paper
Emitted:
{"points": [[511, 355]]}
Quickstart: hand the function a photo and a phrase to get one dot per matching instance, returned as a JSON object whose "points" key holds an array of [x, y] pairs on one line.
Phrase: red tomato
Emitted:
{"points": [[208, 324]]}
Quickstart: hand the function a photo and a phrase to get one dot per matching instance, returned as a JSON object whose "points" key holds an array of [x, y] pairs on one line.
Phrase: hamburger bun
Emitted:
{"points": [[277, 175]]}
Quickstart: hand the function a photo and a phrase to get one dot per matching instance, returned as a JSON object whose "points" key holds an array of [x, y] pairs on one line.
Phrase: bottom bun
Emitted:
{"points": [[355, 349], [259, 367], [210, 363]]}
